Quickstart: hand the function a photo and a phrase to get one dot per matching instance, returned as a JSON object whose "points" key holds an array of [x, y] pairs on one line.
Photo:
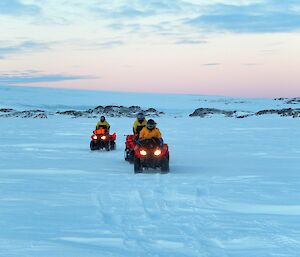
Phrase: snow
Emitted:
{"points": [[233, 189]]}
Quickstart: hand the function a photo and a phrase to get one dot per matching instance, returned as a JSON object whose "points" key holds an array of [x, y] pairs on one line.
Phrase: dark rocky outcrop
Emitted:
{"points": [[244, 116], [6, 110], [280, 99], [35, 114], [282, 112], [121, 111], [110, 111], [75, 114], [295, 100], [204, 112]]}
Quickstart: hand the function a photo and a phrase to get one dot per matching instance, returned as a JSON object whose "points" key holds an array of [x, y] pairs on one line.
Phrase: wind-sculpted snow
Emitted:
{"points": [[233, 190]]}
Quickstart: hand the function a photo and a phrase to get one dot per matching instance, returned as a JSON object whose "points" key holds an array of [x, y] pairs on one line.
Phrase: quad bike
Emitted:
{"points": [[129, 147], [150, 154], [103, 140]]}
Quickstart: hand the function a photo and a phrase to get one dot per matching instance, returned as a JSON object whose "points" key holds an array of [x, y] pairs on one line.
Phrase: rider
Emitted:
{"points": [[151, 132], [139, 123], [102, 123]]}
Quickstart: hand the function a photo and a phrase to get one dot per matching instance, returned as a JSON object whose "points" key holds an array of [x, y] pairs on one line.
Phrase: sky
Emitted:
{"points": [[210, 47]]}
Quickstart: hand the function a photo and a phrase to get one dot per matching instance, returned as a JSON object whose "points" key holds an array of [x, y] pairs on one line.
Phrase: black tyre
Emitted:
{"points": [[107, 146], [165, 168], [93, 146], [131, 160], [126, 155], [112, 145], [137, 165], [131, 156]]}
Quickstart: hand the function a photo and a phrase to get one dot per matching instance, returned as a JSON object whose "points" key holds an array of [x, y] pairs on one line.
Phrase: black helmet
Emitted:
{"points": [[102, 118], [140, 116], [151, 124]]}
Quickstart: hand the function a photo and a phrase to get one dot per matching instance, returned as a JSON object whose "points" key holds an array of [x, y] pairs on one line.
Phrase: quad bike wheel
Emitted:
{"points": [[128, 155], [137, 165], [93, 146], [112, 145], [165, 168]]}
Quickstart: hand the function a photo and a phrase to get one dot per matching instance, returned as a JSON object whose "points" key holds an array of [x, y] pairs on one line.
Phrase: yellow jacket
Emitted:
{"points": [[104, 125], [148, 134], [137, 126]]}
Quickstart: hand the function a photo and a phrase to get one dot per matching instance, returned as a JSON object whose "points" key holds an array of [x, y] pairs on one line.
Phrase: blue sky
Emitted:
{"points": [[158, 46]]}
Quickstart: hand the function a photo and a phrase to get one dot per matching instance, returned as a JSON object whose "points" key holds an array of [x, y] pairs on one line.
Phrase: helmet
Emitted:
{"points": [[102, 118], [151, 124], [140, 116]]}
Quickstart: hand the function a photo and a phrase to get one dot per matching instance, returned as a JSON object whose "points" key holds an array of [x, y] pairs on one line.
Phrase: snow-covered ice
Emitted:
{"points": [[233, 189]]}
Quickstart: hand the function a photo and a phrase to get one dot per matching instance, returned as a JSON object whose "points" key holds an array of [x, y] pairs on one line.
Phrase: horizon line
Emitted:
{"points": [[143, 92]]}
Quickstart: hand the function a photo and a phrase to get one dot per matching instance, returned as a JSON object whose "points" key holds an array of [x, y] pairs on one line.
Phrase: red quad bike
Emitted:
{"points": [[102, 140], [149, 154], [129, 148]]}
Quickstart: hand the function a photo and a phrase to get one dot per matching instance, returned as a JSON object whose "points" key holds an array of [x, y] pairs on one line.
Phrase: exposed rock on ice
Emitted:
{"points": [[110, 111]]}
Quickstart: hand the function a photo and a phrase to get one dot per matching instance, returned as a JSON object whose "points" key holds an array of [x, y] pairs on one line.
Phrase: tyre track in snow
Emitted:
{"points": [[92, 203]]}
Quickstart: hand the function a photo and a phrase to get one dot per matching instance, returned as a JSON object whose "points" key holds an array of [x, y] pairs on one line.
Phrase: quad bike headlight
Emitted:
{"points": [[95, 137], [143, 152], [157, 152], [103, 137]]}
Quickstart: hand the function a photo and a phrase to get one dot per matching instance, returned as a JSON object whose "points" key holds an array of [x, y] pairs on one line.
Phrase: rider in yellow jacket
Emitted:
{"points": [[102, 123], [139, 123], [150, 131]]}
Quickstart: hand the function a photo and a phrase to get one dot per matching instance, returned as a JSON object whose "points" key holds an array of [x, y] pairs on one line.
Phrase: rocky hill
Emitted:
{"points": [[109, 111]]}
